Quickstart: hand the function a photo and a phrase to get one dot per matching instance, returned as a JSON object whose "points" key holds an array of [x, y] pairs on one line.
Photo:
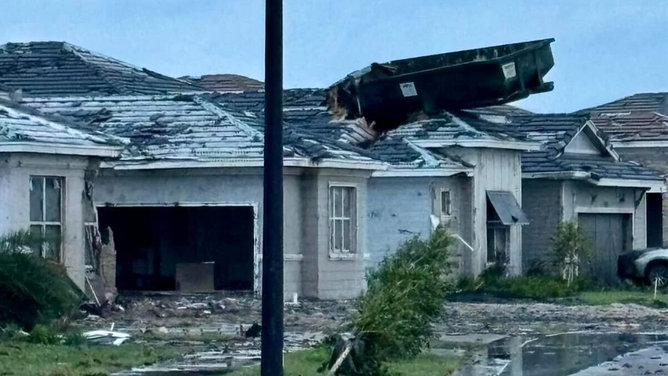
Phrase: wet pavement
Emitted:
{"points": [[581, 354]]}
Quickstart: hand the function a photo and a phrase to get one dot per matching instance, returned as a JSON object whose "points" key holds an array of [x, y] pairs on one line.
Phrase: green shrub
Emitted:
{"points": [[43, 335], [571, 247], [75, 338], [34, 291], [405, 295]]}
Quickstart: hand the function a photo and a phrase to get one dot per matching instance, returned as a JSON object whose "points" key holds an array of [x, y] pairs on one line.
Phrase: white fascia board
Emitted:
{"points": [[287, 162], [639, 144], [492, 144], [655, 185], [575, 175], [421, 172], [58, 149]]}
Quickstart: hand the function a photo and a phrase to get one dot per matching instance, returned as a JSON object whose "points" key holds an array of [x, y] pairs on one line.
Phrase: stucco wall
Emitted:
{"points": [[15, 172], [325, 276], [401, 207], [541, 200], [581, 197], [494, 170]]}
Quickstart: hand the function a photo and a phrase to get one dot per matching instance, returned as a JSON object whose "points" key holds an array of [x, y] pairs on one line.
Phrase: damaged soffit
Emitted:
{"points": [[41, 69], [387, 94]]}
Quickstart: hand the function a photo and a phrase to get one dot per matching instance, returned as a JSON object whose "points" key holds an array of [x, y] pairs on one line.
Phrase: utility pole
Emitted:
{"points": [[272, 251]]}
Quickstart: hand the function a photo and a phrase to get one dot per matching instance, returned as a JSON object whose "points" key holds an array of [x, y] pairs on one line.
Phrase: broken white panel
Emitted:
{"points": [[408, 89], [509, 70]]}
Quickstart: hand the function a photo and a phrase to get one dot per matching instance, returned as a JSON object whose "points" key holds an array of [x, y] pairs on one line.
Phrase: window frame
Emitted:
{"points": [[43, 223], [353, 252], [447, 213]]}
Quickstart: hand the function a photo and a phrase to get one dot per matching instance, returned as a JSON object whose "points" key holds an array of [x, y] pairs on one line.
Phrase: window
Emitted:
{"points": [[46, 214], [497, 244], [342, 214], [446, 204]]}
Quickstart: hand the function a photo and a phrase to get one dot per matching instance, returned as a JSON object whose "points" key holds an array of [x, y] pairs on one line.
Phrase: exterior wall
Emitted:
{"points": [[213, 186], [402, 207], [309, 269], [324, 275], [15, 172], [654, 158], [495, 169], [542, 203], [581, 197]]}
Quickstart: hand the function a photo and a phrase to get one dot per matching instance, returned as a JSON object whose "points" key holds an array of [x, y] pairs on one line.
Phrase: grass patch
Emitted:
{"points": [[22, 358], [645, 298], [307, 362]]}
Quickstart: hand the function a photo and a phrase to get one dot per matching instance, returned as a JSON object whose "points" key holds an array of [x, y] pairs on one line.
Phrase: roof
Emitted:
{"points": [[59, 69], [463, 128], [305, 111], [225, 82], [25, 130], [187, 129], [640, 117], [555, 132]]}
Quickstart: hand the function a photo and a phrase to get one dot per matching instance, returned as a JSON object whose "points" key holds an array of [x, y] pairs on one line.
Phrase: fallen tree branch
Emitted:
{"points": [[340, 360]]}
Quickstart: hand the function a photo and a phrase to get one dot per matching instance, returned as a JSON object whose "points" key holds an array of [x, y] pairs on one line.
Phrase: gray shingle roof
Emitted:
{"points": [[59, 69], [639, 117], [554, 132], [21, 125], [185, 128]]}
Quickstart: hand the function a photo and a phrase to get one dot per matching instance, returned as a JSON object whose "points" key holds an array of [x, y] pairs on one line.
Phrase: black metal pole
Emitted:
{"points": [[272, 252]]}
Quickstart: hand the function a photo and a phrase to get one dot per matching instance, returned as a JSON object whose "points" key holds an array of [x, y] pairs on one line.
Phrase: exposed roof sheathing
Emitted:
{"points": [[225, 82], [43, 69]]}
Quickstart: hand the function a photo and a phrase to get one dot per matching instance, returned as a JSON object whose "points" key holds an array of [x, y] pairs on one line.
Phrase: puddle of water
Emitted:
{"points": [[584, 354]]}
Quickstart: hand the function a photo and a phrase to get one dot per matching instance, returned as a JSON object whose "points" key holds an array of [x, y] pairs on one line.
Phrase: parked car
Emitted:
{"points": [[645, 266]]}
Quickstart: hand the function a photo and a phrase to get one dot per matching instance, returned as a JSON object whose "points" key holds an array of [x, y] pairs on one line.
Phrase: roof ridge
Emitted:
{"points": [[218, 111], [76, 50]]}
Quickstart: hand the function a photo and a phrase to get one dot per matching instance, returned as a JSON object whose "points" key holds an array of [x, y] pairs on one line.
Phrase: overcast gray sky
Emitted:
{"points": [[605, 49]]}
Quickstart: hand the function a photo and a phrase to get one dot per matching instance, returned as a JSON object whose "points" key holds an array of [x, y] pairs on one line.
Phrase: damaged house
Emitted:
{"points": [[576, 175], [637, 127], [180, 180]]}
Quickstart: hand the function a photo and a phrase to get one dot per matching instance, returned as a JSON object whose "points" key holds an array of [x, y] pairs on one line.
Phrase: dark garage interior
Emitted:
{"points": [[182, 248], [654, 220]]}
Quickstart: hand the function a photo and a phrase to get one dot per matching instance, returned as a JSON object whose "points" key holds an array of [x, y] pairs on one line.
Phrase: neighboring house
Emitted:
{"points": [[637, 127], [44, 169], [60, 69], [225, 82], [577, 176]]}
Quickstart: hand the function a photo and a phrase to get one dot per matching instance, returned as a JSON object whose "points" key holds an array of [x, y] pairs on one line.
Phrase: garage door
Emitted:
{"points": [[610, 236]]}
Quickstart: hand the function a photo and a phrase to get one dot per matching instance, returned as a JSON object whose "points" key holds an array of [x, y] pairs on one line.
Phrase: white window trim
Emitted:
{"points": [[440, 203], [63, 204], [330, 247]]}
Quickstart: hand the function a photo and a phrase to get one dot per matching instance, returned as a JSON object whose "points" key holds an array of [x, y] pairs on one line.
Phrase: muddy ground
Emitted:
{"points": [[214, 326]]}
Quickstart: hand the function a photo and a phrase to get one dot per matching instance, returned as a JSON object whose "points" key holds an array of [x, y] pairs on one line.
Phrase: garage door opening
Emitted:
{"points": [[183, 248], [654, 220]]}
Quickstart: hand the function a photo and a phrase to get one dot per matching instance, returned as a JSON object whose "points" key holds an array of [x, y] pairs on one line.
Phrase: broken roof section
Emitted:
{"points": [[25, 130], [641, 118], [387, 94], [556, 132], [225, 82], [44, 69], [191, 131]]}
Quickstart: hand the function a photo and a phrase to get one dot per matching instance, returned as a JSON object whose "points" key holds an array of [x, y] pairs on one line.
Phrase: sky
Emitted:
{"points": [[604, 49]]}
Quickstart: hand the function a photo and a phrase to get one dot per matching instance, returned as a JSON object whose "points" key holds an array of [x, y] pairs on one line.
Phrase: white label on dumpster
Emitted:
{"points": [[408, 89], [509, 70]]}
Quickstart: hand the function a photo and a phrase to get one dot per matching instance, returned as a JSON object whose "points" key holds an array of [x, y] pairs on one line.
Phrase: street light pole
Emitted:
{"points": [[272, 252]]}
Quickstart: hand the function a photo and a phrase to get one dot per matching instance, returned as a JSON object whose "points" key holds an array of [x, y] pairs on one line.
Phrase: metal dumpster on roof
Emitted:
{"points": [[388, 93]]}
